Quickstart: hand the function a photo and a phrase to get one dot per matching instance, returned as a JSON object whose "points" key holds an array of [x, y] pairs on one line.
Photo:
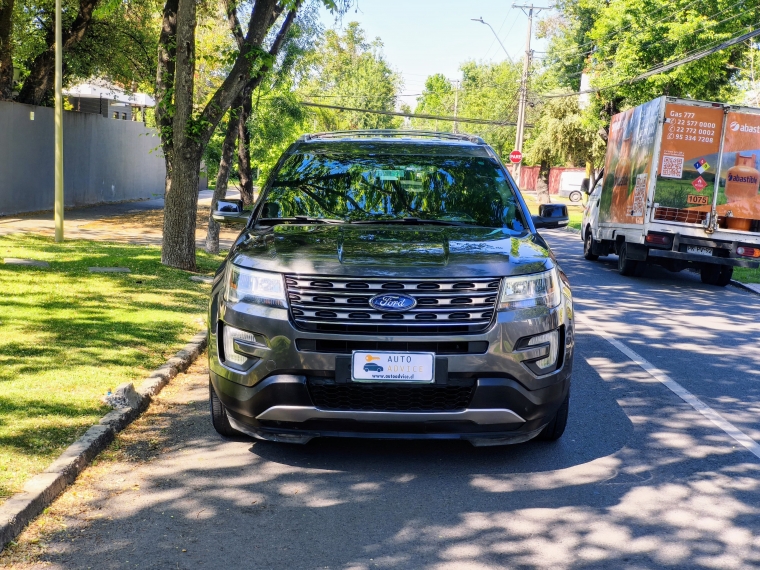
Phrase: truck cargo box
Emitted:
{"points": [[686, 169]]}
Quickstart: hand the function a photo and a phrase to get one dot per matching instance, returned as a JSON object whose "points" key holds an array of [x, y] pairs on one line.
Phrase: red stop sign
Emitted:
{"points": [[515, 156]]}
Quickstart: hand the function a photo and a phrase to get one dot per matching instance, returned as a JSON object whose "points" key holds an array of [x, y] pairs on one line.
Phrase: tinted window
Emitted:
{"points": [[381, 186]]}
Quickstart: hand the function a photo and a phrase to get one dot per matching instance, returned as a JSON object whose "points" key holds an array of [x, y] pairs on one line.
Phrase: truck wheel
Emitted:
{"points": [[719, 275], [575, 196], [555, 428], [626, 266], [588, 242], [726, 273], [219, 416]]}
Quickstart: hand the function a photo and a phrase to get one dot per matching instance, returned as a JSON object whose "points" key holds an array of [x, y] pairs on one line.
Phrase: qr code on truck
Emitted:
{"points": [[639, 195], [672, 167]]}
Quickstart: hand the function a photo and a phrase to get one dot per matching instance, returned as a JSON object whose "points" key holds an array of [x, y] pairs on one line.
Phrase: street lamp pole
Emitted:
{"points": [[523, 101], [58, 208], [482, 21]]}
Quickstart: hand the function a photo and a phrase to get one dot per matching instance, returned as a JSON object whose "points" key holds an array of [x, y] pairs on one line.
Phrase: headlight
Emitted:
{"points": [[535, 290], [244, 285]]}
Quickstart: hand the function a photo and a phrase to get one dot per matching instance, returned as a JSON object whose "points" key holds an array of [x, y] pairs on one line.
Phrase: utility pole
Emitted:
{"points": [[523, 101], [456, 104], [58, 207]]}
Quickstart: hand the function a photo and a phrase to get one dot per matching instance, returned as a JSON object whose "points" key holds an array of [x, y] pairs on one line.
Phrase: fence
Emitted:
{"points": [[104, 160], [529, 176]]}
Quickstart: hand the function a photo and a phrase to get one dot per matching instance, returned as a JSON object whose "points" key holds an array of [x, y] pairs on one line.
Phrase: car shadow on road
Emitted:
{"points": [[636, 482]]}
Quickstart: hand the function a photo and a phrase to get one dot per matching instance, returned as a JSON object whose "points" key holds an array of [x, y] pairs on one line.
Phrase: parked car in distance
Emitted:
{"points": [[391, 284], [570, 185]]}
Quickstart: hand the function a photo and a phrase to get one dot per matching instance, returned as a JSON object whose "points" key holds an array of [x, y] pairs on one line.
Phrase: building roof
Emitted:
{"points": [[97, 89]]}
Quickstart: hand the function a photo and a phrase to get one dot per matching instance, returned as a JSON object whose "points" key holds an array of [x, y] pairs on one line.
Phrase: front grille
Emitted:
{"points": [[385, 398], [342, 305], [348, 346]]}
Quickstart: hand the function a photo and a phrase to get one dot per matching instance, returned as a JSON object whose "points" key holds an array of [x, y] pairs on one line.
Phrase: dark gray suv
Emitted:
{"points": [[390, 284]]}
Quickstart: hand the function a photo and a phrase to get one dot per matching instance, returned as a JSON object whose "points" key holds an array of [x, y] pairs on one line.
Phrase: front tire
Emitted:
{"points": [[627, 266], [218, 416], [588, 243], [555, 428], [576, 196]]}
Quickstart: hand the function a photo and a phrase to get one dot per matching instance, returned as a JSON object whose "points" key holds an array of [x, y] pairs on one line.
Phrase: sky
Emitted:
{"points": [[423, 37]]}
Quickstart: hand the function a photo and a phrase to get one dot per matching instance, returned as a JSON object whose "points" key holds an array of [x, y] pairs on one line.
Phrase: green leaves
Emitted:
{"points": [[613, 42]]}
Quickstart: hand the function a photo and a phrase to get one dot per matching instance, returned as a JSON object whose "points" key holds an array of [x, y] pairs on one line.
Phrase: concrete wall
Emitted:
{"points": [[104, 160]]}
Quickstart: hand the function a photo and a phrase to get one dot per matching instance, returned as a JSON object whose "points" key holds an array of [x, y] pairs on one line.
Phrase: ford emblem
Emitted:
{"points": [[392, 302]]}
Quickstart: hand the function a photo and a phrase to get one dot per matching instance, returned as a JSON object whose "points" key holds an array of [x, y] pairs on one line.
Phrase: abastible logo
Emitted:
{"points": [[394, 303], [745, 179], [736, 126]]}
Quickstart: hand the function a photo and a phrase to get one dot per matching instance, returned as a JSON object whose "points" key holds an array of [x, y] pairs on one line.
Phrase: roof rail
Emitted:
{"points": [[391, 133]]}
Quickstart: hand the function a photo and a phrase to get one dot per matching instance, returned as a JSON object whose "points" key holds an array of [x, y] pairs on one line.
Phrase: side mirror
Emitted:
{"points": [[586, 186], [230, 213], [551, 216]]}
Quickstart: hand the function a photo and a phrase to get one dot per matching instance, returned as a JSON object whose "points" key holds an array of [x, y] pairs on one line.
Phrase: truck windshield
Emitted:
{"points": [[366, 187]]}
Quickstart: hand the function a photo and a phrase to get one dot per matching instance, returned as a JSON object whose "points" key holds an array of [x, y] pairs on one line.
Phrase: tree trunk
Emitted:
{"points": [[180, 208], [244, 148], [181, 198], [184, 135], [42, 72], [6, 49], [542, 184], [222, 177]]}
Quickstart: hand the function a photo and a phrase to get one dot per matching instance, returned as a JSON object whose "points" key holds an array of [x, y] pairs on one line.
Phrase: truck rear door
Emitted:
{"points": [[685, 187]]}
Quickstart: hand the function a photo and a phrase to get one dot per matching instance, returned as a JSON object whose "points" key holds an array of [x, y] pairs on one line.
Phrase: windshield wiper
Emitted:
{"points": [[300, 220], [414, 222]]}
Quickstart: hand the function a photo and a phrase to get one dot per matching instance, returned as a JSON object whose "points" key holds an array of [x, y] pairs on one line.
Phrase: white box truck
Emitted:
{"points": [[680, 189]]}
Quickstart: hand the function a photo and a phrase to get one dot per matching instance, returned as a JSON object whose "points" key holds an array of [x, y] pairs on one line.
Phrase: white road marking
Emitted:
{"points": [[742, 438]]}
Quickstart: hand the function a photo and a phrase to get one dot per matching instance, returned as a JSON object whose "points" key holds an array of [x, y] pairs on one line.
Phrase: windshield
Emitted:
{"points": [[380, 188]]}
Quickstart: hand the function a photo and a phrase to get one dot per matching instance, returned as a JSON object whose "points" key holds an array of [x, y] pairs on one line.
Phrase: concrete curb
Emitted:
{"points": [[743, 287], [42, 489]]}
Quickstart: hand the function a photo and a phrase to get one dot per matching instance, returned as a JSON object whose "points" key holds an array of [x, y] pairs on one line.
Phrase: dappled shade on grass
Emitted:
{"points": [[68, 335]]}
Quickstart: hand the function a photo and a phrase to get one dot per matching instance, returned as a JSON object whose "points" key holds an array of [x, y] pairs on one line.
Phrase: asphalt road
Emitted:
{"points": [[641, 479]]}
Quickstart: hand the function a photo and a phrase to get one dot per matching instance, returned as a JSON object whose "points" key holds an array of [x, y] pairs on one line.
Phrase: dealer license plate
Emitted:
{"points": [[367, 366], [699, 250]]}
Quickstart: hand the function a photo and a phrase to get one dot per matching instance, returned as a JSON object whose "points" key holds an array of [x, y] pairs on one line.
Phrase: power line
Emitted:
{"points": [[661, 68], [354, 96], [414, 116]]}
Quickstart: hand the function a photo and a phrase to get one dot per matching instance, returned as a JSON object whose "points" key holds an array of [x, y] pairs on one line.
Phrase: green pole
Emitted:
{"points": [[58, 125]]}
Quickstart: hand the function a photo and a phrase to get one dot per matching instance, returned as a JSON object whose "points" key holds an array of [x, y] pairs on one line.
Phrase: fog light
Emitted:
{"points": [[229, 334], [553, 339]]}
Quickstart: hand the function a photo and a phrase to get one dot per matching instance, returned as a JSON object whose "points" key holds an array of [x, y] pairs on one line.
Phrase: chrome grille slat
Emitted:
{"points": [[344, 302]]}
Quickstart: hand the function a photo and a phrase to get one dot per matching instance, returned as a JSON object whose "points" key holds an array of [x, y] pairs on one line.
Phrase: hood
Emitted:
{"points": [[391, 250]]}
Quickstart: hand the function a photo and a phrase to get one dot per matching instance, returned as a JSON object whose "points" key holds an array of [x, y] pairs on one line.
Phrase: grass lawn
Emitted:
{"points": [[575, 209], [68, 335], [747, 275]]}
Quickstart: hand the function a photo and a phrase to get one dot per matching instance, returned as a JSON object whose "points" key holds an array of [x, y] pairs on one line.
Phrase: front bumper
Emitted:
{"points": [[272, 397]]}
